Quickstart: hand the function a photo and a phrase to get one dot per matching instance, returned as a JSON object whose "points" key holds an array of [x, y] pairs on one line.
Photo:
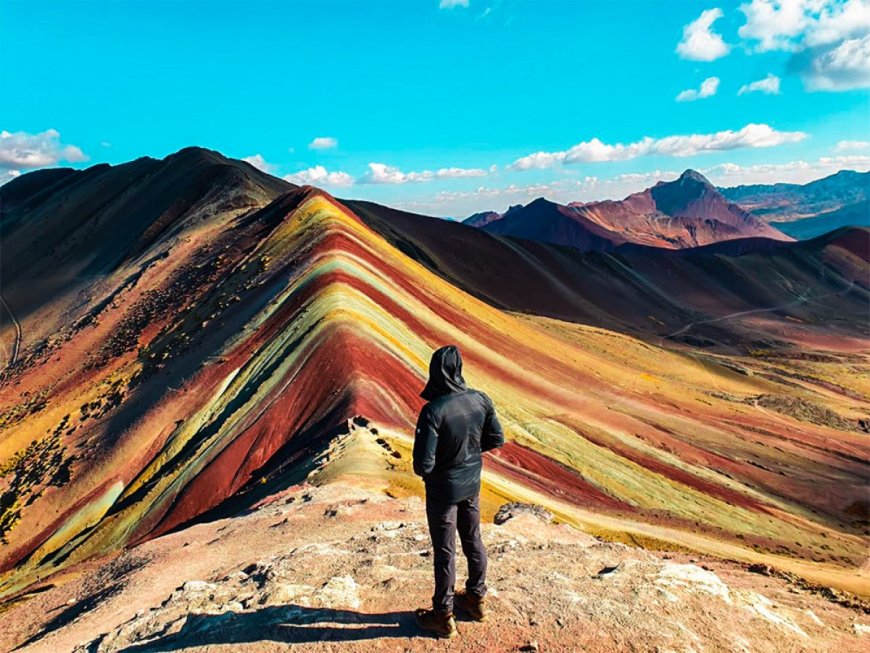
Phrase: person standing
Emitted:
{"points": [[454, 428]]}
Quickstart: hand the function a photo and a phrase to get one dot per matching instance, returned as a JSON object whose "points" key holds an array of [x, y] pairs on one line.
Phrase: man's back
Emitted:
{"points": [[452, 432]]}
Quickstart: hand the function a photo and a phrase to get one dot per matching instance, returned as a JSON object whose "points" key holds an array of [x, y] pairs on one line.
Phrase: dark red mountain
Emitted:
{"points": [[684, 213]]}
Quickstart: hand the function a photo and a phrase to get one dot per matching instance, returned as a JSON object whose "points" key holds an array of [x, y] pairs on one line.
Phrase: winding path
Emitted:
{"points": [[799, 300]]}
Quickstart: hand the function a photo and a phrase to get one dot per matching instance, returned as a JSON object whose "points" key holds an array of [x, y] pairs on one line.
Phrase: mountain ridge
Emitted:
{"points": [[638, 289], [784, 202], [131, 203]]}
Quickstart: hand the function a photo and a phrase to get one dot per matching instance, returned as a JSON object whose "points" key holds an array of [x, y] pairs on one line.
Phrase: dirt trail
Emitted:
{"points": [[754, 311]]}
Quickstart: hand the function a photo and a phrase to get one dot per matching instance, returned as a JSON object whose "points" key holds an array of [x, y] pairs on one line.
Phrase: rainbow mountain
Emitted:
{"points": [[187, 336]]}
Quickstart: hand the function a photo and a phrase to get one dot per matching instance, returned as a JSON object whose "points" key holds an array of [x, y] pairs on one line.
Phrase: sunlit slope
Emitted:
{"points": [[300, 317]]}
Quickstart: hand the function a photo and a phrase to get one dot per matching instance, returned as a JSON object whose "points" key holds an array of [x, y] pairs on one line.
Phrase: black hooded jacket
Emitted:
{"points": [[453, 429]]}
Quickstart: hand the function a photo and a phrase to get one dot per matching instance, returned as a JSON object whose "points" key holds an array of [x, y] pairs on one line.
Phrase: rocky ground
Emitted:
{"points": [[341, 568]]}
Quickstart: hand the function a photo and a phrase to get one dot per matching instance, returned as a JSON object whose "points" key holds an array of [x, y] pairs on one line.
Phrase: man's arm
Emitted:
{"points": [[425, 443], [492, 435]]}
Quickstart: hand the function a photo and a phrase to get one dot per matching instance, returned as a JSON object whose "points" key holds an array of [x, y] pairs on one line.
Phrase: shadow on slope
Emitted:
{"points": [[77, 225], [290, 624], [644, 290]]}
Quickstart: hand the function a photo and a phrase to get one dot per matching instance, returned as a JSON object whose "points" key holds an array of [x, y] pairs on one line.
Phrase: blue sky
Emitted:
{"points": [[445, 106]]}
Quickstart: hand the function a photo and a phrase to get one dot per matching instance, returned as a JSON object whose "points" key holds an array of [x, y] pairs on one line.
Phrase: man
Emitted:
{"points": [[453, 429]]}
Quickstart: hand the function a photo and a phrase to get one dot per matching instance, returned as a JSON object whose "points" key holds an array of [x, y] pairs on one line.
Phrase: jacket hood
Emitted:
{"points": [[445, 373]]}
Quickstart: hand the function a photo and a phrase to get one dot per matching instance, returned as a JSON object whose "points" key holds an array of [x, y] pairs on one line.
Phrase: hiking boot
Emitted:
{"points": [[441, 623], [474, 606]]}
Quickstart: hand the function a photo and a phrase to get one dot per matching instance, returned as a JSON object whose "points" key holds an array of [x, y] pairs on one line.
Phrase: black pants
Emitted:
{"points": [[444, 520]]}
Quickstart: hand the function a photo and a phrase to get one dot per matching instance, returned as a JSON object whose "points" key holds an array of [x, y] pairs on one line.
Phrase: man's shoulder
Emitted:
{"points": [[482, 395], [444, 401]]}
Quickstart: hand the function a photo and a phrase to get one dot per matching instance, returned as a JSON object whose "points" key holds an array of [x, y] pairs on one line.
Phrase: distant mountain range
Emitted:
{"points": [[790, 202], [809, 210], [687, 212]]}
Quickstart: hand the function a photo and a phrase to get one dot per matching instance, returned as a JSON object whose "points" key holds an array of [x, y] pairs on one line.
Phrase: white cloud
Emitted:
{"points": [[856, 160], [792, 24], [323, 143], [752, 135], [839, 20], [538, 160], [647, 179], [796, 172], [452, 173], [846, 146], [319, 176], [708, 89], [259, 163], [381, 173], [774, 23], [8, 175], [450, 4], [485, 198], [700, 42], [843, 67], [23, 150], [830, 39], [769, 85]]}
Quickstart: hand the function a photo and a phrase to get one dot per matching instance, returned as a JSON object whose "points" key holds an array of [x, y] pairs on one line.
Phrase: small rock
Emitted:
{"points": [[510, 510], [760, 568], [861, 629], [530, 647], [606, 570], [340, 591]]}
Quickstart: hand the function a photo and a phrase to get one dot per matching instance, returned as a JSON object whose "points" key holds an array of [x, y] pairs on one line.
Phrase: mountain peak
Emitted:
{"points": [[694, 175], [673, 197], [196, 150], [540, 202]]}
